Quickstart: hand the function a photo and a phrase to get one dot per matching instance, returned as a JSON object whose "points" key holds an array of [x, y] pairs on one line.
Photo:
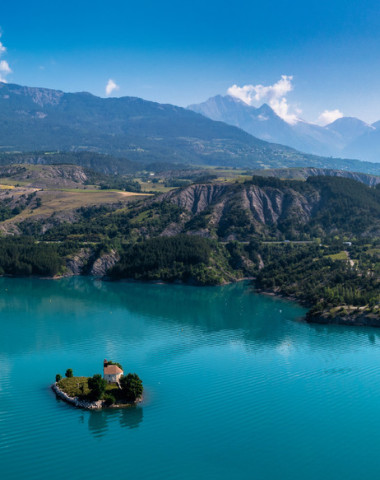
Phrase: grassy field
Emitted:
{"points": [[338, 256], [153, 187], [11, 183], [57, 201], [73, 387]]}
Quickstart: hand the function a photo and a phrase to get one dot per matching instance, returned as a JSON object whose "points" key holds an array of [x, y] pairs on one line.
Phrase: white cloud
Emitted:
{"points": [[4, 65], [111, 87], [329, 116], [274, 95]]}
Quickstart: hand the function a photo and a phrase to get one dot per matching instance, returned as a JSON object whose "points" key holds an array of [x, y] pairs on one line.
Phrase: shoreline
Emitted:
{"points": [[96, 405], [356, 317], [107, 278]]}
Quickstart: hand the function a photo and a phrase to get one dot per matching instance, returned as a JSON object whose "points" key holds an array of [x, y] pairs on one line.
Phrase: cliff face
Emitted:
{"points": [[104, 263], [86, 262], [292, 209], [259, 207], [196, 198], [269, 205]]}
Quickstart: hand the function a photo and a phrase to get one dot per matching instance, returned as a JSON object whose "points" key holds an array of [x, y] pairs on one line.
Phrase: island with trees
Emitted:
{"points": [[112, 390]]}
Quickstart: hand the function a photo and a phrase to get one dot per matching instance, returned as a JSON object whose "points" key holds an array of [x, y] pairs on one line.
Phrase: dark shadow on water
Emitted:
{"points": [[99, 421], [131, 417]]}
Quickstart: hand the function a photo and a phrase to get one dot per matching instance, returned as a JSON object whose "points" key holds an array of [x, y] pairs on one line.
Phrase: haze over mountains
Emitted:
{"points": [[346, 137], [39, 119]]}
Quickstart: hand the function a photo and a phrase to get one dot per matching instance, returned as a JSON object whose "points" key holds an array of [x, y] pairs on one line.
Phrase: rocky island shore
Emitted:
{"points": [[112, 390], [91, 405]]}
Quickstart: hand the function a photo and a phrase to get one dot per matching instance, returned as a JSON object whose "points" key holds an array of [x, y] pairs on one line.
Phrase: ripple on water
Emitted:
{"points": [[235, 386]]}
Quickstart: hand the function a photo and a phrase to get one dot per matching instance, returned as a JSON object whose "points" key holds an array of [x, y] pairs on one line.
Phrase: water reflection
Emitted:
{"points": [[53, 313], [99, 421], [50, 314]]}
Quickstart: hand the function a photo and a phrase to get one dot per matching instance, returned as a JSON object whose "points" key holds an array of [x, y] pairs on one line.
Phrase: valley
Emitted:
{"points": [[124, 188], [230, 227]]}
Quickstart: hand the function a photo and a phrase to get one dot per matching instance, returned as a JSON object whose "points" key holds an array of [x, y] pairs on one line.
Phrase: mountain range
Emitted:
{"points": [[45, 120], [345, 137]]}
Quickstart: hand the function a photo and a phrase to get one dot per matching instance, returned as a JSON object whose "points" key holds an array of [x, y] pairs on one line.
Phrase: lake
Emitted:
{"points": [[236, 386]]}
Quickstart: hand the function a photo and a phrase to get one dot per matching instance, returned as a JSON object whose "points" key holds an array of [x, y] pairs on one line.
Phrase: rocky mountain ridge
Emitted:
{"points": [[348, 137], [35, 119], [271, 207]]}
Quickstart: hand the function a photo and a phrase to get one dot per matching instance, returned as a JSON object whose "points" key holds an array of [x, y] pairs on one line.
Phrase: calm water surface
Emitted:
{"points": [[236, 386]]}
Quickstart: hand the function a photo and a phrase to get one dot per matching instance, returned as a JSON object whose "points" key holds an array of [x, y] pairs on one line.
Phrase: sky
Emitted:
{"points": [[315, 60]]}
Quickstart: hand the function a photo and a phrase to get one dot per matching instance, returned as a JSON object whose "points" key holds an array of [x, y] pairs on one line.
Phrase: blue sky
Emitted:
{"points": [[184, 52]]}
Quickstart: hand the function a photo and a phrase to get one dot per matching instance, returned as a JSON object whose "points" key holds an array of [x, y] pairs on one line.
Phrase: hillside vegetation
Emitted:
{"points": [[315, 240], [306, 172]]}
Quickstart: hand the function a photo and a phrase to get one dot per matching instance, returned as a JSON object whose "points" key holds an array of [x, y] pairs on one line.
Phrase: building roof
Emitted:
{"points": [[112, 370]]}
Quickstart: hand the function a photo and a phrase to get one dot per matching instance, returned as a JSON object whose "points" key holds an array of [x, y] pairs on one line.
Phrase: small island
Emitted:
{"points": [[112, 390]]}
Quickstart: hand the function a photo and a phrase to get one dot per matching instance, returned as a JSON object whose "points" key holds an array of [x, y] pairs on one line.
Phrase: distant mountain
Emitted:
{"points": [[43, 119], [350, 128], [39, 119], [346, 136], [367, 145], [261, 122]]}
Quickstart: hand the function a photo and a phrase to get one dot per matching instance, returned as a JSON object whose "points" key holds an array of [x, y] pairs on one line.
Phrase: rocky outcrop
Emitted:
{"points": [[76, 264], [104, 263], [75, 401], [359, 319], [85, 262], [96, 405], [60, 176], [269, 205], [265, 206], [197, 198], [41, 96]]}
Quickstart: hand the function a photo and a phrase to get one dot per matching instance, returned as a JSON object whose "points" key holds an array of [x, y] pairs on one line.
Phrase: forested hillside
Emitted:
{"points": [[315, 240]]}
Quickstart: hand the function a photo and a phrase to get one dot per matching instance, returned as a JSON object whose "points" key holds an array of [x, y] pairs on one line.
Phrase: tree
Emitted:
{"points": [[97, 385], [69, 373], [58, 377], [110, 362], [109, 399], [132, 386]]}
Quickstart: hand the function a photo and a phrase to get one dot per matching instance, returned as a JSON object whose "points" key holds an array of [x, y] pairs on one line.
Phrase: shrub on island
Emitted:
{"points": [[58, 377], [69, 373], [97, 385], [132, 386], [109, 399]]}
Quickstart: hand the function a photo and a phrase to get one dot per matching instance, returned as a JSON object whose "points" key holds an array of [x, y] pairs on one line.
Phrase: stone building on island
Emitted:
{"points": [[111, 372]]}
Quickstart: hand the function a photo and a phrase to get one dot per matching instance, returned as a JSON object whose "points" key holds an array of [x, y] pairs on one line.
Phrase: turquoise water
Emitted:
{"points": [[236, 386]]}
